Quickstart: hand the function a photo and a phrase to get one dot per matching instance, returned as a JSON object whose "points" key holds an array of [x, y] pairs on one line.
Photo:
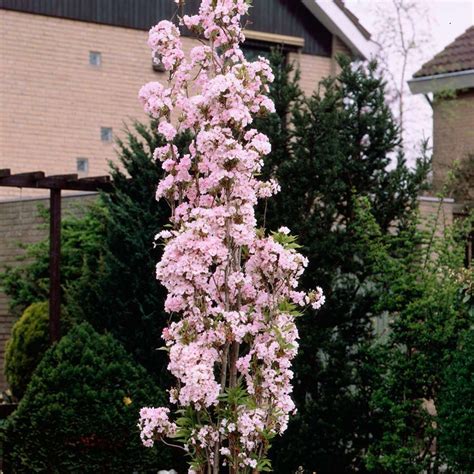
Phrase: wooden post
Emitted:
{"points": [[54, 264]]}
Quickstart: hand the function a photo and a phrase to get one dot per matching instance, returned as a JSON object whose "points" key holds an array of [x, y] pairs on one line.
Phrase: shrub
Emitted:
{"points": [[456, 408], [26, 347], [80, 410]]}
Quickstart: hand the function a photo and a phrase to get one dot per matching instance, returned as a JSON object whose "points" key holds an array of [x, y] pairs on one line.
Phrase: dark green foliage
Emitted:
{"points": [[331, 149], [456, 408], [121, 295], [419, 275], [26, 347], [75, 415], [82, 236]]}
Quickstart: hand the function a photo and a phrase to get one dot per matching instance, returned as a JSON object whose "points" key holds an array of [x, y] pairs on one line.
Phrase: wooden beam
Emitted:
{"points": [[55, 181], [65, 177], [22, 180], [70, 182], [87, 185], [54, 264], [274, 38], [98, 179]]}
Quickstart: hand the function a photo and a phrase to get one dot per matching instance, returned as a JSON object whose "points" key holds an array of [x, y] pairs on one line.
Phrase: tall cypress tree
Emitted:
{"points": [[328, 151], [119, 293]]}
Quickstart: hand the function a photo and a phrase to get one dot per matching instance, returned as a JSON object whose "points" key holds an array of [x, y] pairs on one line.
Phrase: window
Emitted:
{"points": [[95, 58], [106, 134], [157, 63], [82, 165], [254, 48]]}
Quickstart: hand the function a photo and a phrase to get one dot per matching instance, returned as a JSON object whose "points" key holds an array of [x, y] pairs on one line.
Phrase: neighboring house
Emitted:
{"points": [[447, 80], [71, 70], [70, 75]]}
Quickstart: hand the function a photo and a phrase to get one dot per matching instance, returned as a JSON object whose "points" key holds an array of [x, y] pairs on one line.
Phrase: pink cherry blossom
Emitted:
{"points": [[232, 289]]}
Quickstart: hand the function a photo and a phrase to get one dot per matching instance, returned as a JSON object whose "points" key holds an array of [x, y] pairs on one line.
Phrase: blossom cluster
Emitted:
{"points": [[154, 423], [233, 288]]}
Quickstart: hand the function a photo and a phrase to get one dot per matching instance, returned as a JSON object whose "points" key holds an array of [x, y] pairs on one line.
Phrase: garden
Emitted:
{"points": [[257, 292]]}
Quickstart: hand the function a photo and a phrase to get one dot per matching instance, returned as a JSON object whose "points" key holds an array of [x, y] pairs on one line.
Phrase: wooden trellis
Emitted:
{"points": [[55, 184]]}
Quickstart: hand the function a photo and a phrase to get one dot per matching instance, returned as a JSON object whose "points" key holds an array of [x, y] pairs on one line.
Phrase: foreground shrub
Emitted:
{"points": [[26, 347], [80, 411], [456, 408]]}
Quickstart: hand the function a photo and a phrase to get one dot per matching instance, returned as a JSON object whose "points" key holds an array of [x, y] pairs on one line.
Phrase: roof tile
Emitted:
{"points": [[457, 56]]}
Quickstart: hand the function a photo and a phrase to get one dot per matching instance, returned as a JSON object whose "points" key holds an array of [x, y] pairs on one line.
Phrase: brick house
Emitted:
{"points": [[71, 71], [447, 80]]}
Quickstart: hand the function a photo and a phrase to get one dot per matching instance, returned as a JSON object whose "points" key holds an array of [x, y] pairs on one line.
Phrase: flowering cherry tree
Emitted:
{"points": [[232, 288]]}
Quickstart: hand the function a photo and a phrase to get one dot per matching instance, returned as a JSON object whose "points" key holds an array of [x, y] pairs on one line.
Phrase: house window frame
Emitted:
{"points": [[266, 42], [106, 134], [93, 62], [82, 165]]}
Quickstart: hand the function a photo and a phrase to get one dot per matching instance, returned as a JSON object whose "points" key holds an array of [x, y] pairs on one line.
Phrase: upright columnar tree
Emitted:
{"points": [[232, 289]]}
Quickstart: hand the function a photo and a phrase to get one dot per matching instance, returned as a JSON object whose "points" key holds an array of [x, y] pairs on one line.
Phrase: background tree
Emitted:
{"points": [[338, 146], [421, 282], [29, 341], [402, 35]]}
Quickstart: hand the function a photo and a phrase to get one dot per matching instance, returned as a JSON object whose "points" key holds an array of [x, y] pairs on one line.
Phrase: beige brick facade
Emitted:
{"points": [[453, 136], [54, 102], [312, 68], [434, 211]]}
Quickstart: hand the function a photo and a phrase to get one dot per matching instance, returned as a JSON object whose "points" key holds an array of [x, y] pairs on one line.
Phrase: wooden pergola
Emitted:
{"points": [[55, 184]]}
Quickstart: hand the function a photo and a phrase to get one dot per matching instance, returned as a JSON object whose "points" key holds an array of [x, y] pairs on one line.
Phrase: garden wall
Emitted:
{"points": [[20, 223]]}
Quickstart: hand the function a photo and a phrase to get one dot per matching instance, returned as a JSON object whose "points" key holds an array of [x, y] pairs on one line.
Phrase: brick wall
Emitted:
{"points": [[312, 68], [338, 47], [453, 134], [54, 102], [433, 210], [20, 223]]}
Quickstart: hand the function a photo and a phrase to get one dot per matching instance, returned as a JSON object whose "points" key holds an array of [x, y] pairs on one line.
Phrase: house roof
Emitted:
{"points": [[353, 18], [451, 69], [340, 21], [282, 17], [457, 56]]}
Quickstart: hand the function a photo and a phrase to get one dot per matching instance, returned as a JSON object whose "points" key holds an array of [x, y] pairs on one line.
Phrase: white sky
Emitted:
{"points": [[446, 19]]}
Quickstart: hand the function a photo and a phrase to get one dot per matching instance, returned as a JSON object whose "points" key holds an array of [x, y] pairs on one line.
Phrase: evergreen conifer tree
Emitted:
{"points": [[337, 147], [119, 292]]}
